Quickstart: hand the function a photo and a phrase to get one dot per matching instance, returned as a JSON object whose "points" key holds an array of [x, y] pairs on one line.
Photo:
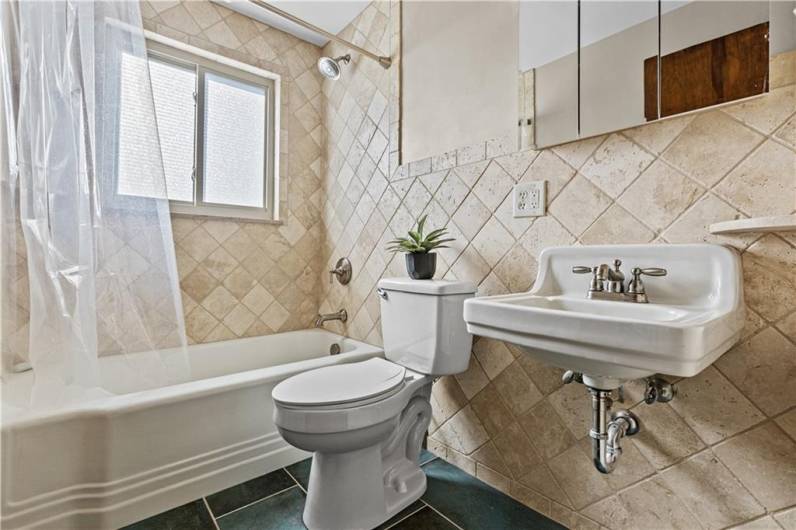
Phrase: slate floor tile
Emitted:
{"points": [[279, 512], [426, 456], [273, 501], [474, 505], [425, 519], [246, 493], [301, 471], [191, 516], [412, 508]]}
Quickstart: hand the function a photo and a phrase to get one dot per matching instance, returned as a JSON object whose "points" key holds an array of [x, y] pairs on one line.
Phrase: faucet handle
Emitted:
{"points": [[650, 271], [636, 286], [343, 271], [596, 284]]}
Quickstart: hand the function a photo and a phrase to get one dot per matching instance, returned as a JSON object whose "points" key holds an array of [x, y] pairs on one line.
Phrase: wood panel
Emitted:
{"points": [[724, 69]]}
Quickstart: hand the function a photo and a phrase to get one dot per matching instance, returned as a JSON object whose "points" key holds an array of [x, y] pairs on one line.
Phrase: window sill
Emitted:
{"points": [[227, 218]]}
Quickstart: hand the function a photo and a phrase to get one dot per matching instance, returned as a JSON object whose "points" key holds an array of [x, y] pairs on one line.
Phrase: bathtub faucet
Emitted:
{"points": [[341, 315]]}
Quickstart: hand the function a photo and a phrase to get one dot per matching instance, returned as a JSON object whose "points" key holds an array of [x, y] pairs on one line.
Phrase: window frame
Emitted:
{"points": [[204, 62]]}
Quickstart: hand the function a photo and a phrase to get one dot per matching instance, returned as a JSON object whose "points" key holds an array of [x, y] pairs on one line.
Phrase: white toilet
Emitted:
{"points": [[365, 421]]}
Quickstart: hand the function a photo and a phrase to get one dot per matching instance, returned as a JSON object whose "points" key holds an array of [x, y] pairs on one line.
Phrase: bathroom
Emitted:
{"points": [[210, 218]]}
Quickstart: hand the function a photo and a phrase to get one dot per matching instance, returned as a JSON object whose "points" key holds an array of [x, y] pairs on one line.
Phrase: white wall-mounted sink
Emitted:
{"points": [[694, 314]]}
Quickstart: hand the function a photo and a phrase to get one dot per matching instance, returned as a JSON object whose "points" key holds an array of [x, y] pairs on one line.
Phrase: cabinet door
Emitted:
{"points": [[616, 38], [711, 53], [548, 69]]}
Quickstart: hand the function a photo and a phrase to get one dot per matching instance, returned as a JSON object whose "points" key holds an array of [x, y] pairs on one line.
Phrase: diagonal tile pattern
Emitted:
{"points": [[507, 419], [243, 279]]}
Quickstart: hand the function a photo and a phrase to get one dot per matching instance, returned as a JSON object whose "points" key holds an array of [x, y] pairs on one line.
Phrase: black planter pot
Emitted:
{"points": [[421, 266]]}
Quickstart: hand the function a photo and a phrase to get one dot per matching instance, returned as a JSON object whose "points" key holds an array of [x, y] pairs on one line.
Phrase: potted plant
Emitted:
{"points": [[421, 262]]}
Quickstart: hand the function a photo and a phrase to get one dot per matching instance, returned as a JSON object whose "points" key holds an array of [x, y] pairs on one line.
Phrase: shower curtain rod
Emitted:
{"points": [[384, 61]]}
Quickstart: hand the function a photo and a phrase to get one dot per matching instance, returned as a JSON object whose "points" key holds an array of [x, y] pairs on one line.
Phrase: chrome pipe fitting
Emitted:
{"points": [[606, 435], [659, 390]]}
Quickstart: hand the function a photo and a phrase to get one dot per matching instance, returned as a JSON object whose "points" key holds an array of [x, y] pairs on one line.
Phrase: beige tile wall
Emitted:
{"points": [[241, 278], [723, 452]]}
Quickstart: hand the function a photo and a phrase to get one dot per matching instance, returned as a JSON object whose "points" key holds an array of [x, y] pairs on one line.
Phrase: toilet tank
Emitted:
{"points": [[422, 324]]}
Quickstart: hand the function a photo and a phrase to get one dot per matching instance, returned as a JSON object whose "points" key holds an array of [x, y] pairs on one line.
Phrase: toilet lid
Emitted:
{"points": [[342, 383]]}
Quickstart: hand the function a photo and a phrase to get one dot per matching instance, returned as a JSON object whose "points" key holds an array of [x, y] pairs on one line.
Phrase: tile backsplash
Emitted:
{"points": [[723, 452]]}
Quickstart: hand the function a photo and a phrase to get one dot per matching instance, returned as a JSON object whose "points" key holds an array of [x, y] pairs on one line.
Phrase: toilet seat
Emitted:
{"points": [[341, 386], [347, 397]]}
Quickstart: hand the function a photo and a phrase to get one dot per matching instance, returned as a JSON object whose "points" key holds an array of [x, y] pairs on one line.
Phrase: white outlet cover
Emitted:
{"points": [[529, 198]]}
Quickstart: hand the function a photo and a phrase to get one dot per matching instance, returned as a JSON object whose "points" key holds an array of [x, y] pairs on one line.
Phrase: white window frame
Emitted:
{"points": [[170, 50]]}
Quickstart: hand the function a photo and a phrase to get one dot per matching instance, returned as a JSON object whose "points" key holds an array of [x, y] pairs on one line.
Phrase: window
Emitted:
{"points": [[217, 135]]}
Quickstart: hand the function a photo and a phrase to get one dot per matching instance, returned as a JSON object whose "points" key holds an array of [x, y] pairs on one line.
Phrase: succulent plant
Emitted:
{"points": [[417, 243]]}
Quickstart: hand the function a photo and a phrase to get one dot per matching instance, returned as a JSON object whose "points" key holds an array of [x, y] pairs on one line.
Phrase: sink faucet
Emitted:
{"points": [[609, 284], [612, 279], [341, 315]]}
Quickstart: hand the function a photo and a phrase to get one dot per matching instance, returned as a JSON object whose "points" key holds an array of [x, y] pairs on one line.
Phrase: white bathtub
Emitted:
{"points": [[109, 461]]}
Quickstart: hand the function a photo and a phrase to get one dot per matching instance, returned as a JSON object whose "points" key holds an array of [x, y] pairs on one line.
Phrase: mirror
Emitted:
{"points": [[548, 66], [615, 39], [592, 67]]}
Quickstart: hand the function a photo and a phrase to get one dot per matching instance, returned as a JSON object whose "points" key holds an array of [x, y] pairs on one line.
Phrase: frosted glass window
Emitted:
{"points": [[216, 129], [138, 173], [173, 89], [234, 142]]}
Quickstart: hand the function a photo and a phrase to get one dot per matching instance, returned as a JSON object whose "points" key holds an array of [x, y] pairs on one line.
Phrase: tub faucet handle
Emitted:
{"points": [[343, 271]]}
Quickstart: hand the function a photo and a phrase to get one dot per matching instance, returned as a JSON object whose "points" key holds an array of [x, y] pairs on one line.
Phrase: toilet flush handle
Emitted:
{"points": [[381, 292]]}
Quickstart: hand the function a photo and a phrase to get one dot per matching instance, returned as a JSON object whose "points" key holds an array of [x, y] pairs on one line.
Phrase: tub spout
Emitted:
{"points": [[341, 315]]}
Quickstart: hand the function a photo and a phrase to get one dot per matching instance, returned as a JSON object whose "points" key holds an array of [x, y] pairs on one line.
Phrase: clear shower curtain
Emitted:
{"points": [[89, 270]]}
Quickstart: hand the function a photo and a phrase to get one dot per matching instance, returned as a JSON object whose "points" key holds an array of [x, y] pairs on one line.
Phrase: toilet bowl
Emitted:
{"points": [[365, 422]]}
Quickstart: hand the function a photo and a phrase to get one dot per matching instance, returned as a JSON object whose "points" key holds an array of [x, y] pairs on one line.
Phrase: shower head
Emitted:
{"points": [[330, 68]]}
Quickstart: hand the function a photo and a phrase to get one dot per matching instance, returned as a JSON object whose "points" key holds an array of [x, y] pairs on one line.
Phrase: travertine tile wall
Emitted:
{"points": [[239, 278], [723, 452]]}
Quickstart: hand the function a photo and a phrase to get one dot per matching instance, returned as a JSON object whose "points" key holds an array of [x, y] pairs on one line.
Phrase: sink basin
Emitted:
{"points": [[694, 314]]}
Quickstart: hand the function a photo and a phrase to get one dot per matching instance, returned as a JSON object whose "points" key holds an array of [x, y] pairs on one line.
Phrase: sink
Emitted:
{"points": [[695, 313]]}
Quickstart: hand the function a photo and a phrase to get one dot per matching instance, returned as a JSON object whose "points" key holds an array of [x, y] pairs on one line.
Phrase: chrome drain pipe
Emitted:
{"points": [[606, 435]]}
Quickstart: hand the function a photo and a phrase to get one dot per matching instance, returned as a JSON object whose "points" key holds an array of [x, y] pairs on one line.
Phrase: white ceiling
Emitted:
{"points": [[331, 15]]}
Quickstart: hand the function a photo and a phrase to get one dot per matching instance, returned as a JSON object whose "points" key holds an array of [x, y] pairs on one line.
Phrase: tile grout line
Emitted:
{"points": [[255, 502], [294, 480], [443, 516], [212, 515], [402, 519]]}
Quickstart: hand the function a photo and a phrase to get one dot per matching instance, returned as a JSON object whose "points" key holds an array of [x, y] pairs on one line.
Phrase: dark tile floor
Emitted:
{"points": [[453, 500]]}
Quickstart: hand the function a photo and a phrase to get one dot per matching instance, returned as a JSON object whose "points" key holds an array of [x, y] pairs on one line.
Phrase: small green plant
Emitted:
{"points": [[416, 243]]}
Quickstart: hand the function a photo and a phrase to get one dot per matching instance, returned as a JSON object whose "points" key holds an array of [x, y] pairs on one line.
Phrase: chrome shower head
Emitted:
{"points": [[330, 68]]}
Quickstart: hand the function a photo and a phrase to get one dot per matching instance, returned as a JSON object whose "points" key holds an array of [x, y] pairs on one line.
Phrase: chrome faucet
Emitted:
{"points": [[609, 284], [341, 315]]}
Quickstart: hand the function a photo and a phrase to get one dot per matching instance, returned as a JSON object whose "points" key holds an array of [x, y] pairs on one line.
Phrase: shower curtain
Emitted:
{"points": [[87, 270]]}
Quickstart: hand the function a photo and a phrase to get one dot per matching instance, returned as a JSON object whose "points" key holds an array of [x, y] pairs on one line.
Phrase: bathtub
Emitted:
{"points": [[106, 462]]}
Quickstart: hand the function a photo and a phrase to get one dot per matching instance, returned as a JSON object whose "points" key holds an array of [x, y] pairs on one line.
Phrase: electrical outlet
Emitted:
{"points": [[529, 198]]}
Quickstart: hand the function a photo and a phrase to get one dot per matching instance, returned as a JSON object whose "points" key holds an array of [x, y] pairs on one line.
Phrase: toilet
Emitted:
{"points": [[365, 421]]}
